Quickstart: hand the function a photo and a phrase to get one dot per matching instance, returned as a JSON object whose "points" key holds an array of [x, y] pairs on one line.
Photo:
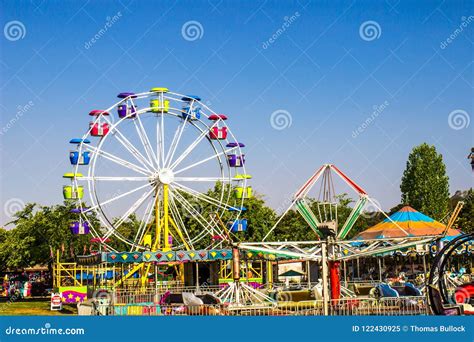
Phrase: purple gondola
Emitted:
{"points": [[79, 228], [126, 94], [235, 144], [236, 160], [126, 110]]}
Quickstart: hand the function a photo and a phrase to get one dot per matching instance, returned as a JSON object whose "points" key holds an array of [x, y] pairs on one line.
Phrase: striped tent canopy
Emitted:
{"points": [[409, 222]]}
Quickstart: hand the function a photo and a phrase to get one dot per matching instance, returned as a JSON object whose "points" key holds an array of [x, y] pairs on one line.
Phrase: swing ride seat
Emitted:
{"points": [[327, 228]]}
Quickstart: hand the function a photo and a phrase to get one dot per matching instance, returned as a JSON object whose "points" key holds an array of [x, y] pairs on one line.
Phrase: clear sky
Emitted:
{"points": [[322, 66]]}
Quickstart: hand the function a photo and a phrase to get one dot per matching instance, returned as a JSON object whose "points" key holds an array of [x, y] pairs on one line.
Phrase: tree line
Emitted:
{"points": [[37, 232]]}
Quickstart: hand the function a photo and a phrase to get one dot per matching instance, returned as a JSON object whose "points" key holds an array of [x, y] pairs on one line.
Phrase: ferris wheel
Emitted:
{"points": [[167, 161]]}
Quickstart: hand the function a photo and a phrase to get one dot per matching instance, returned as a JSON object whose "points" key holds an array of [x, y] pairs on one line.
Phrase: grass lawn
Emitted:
{"points": [[34, 308]]}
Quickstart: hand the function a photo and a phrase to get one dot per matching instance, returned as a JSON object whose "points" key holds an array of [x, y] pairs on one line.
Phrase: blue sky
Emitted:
{"points": [[311, 62]]}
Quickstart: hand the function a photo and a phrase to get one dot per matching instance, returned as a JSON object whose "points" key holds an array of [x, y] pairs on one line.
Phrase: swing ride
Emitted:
{"points": [[167, 188]]}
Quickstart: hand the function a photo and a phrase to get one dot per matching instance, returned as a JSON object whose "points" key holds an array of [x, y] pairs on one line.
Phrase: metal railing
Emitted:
{"points": [[341, 307]]}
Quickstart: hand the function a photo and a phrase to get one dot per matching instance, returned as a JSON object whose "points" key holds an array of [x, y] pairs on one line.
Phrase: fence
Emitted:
{"points": [[342, 307], [150, 295]]}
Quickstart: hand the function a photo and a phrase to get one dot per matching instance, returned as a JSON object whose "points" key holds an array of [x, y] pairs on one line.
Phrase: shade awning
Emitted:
{"points": [[407, 222], [291, 273]]}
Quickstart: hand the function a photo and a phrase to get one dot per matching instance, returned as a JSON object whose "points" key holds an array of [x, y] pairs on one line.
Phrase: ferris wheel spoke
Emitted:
{"points": [[162, 131], [115, 198], [144, 140], [206, 224], [130, 211], [202, 196], [129, 146], [144, 222], [205, 179], [113, 178], [191, 147], [205, 160], [176, 140], [117, 160], [179, 221]]}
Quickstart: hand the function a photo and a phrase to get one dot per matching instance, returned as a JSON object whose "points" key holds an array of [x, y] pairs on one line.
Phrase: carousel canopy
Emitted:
{"points": [[410, 221]]}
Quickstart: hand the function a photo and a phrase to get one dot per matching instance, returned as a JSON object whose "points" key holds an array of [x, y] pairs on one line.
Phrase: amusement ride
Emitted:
{"points": [[167, 186]]}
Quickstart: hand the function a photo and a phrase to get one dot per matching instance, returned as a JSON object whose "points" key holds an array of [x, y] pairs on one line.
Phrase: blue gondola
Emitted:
{"points": [[237, 209], [237, 225], [85, 156], [191, 108]]}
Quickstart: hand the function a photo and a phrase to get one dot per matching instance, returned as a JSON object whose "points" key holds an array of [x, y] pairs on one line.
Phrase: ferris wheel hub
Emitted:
{"points": [[165, 176]]}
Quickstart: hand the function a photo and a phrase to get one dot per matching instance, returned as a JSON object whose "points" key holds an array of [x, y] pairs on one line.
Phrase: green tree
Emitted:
{"points": [[424, 183], [464, 222], [38, 230]]}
